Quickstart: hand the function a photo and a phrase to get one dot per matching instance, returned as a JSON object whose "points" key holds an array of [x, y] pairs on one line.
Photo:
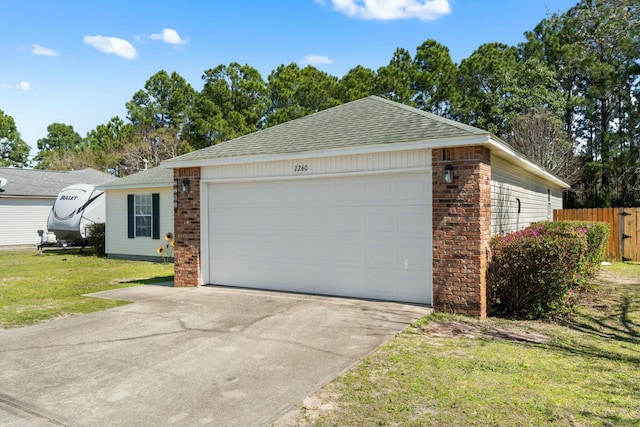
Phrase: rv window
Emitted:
{"points": [[143, 211]]}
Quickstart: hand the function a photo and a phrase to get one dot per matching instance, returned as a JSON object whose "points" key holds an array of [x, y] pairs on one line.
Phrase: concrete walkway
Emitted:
{"points": [[201, 356]]}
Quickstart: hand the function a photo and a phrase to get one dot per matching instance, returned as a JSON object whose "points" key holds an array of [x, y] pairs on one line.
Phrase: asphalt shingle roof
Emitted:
{"points": [[45, 183], [151, 177], [367, 121]]}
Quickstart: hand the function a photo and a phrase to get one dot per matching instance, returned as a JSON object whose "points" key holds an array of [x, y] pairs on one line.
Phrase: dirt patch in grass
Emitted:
{"points": [[610, 283], [313, 407], [450, 329]]}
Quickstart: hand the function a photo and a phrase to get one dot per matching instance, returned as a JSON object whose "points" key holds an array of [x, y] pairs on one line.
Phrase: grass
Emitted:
{"points": [[583, 369], [36, 288]]}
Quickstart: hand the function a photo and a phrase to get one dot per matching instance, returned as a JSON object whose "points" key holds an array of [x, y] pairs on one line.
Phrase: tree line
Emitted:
{"points": [[567, 97]]}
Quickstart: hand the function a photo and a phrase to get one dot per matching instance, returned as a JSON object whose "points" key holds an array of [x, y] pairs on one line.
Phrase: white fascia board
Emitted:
{"points": [[136, 186], [513, 155], [360, 149]]}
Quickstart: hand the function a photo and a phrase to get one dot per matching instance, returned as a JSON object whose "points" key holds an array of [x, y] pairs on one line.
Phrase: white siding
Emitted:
{"points": [[372, 162], [509, 185], [117, 242], [21, 218]]}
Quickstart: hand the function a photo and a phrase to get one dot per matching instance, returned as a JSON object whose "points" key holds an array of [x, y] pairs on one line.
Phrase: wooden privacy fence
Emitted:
{"points": [[624, 240]]}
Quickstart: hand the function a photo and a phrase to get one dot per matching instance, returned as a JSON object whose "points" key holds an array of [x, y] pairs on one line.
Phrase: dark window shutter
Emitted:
{"points": [[131, 219], [155, 207]]}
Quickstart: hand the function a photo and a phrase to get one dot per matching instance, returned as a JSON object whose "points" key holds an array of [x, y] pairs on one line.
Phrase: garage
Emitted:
{"points": [[366, 236], [369, 199]]}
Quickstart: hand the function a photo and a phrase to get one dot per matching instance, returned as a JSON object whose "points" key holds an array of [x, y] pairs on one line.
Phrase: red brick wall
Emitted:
{"points": [[461, 230], [186, 214]]}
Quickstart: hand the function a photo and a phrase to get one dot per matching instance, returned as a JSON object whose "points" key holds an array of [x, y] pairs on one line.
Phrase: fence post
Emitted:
{"points": [[621, 214]]}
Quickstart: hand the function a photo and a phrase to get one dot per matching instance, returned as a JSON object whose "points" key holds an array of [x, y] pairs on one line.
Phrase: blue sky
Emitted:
{"points": [[79, 61]]}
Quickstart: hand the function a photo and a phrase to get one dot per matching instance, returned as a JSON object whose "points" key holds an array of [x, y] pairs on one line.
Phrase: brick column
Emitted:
{"points": [[461, 230], [186, 217]]}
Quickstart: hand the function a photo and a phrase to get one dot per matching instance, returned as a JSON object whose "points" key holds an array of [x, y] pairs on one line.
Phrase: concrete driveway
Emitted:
{"points": [[200, 356]]}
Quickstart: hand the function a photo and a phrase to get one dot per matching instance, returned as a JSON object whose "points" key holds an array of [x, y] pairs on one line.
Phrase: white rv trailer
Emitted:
{"points": [[76, 208]]}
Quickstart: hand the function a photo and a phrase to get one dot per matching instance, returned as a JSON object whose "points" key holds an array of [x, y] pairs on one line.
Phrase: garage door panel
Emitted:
{"points": [[343, 280], [349, 251], [379, 222], [413, 255], [365, 250], [363, 236], [288, 279], [347, 221], [318, 193], [415, 289], [348, 192], [298, 220], [413, 190], [380, 254], [413, 222], [379, 191]]}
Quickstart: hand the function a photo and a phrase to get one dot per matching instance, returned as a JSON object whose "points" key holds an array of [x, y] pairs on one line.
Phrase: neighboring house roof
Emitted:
{"points": [[154, 177], [368, 122], [46, 183]]}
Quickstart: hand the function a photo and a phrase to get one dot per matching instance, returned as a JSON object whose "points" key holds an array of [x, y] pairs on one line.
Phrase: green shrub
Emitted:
{"points": [[597, 234], [534, 272], [96, 237], [597, 237]]}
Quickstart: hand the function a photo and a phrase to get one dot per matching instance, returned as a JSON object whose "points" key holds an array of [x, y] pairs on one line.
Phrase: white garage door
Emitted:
{"points": [[361, 236]]}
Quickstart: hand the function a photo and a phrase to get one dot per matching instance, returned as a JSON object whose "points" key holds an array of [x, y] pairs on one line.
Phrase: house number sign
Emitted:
{"points": [[300, 168]]}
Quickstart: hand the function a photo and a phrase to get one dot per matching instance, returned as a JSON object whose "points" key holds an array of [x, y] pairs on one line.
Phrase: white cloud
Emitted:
{"points": [[170, 36], [424, 10], [113, 45], [26, 86], [36, 49], [316, 60]]}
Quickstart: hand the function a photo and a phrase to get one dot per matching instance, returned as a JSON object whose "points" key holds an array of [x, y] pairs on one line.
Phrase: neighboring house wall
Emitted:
{"points": [[513, 187], [21, 218], [28, 195], [118, 244]]}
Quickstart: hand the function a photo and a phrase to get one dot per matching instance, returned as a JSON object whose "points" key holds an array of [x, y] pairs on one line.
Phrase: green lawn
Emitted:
{"points": [[35, 288], [581, 370]]}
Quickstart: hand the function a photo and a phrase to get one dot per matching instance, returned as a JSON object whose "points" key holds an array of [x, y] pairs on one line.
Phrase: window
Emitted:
{"points": [[143, 215]]}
